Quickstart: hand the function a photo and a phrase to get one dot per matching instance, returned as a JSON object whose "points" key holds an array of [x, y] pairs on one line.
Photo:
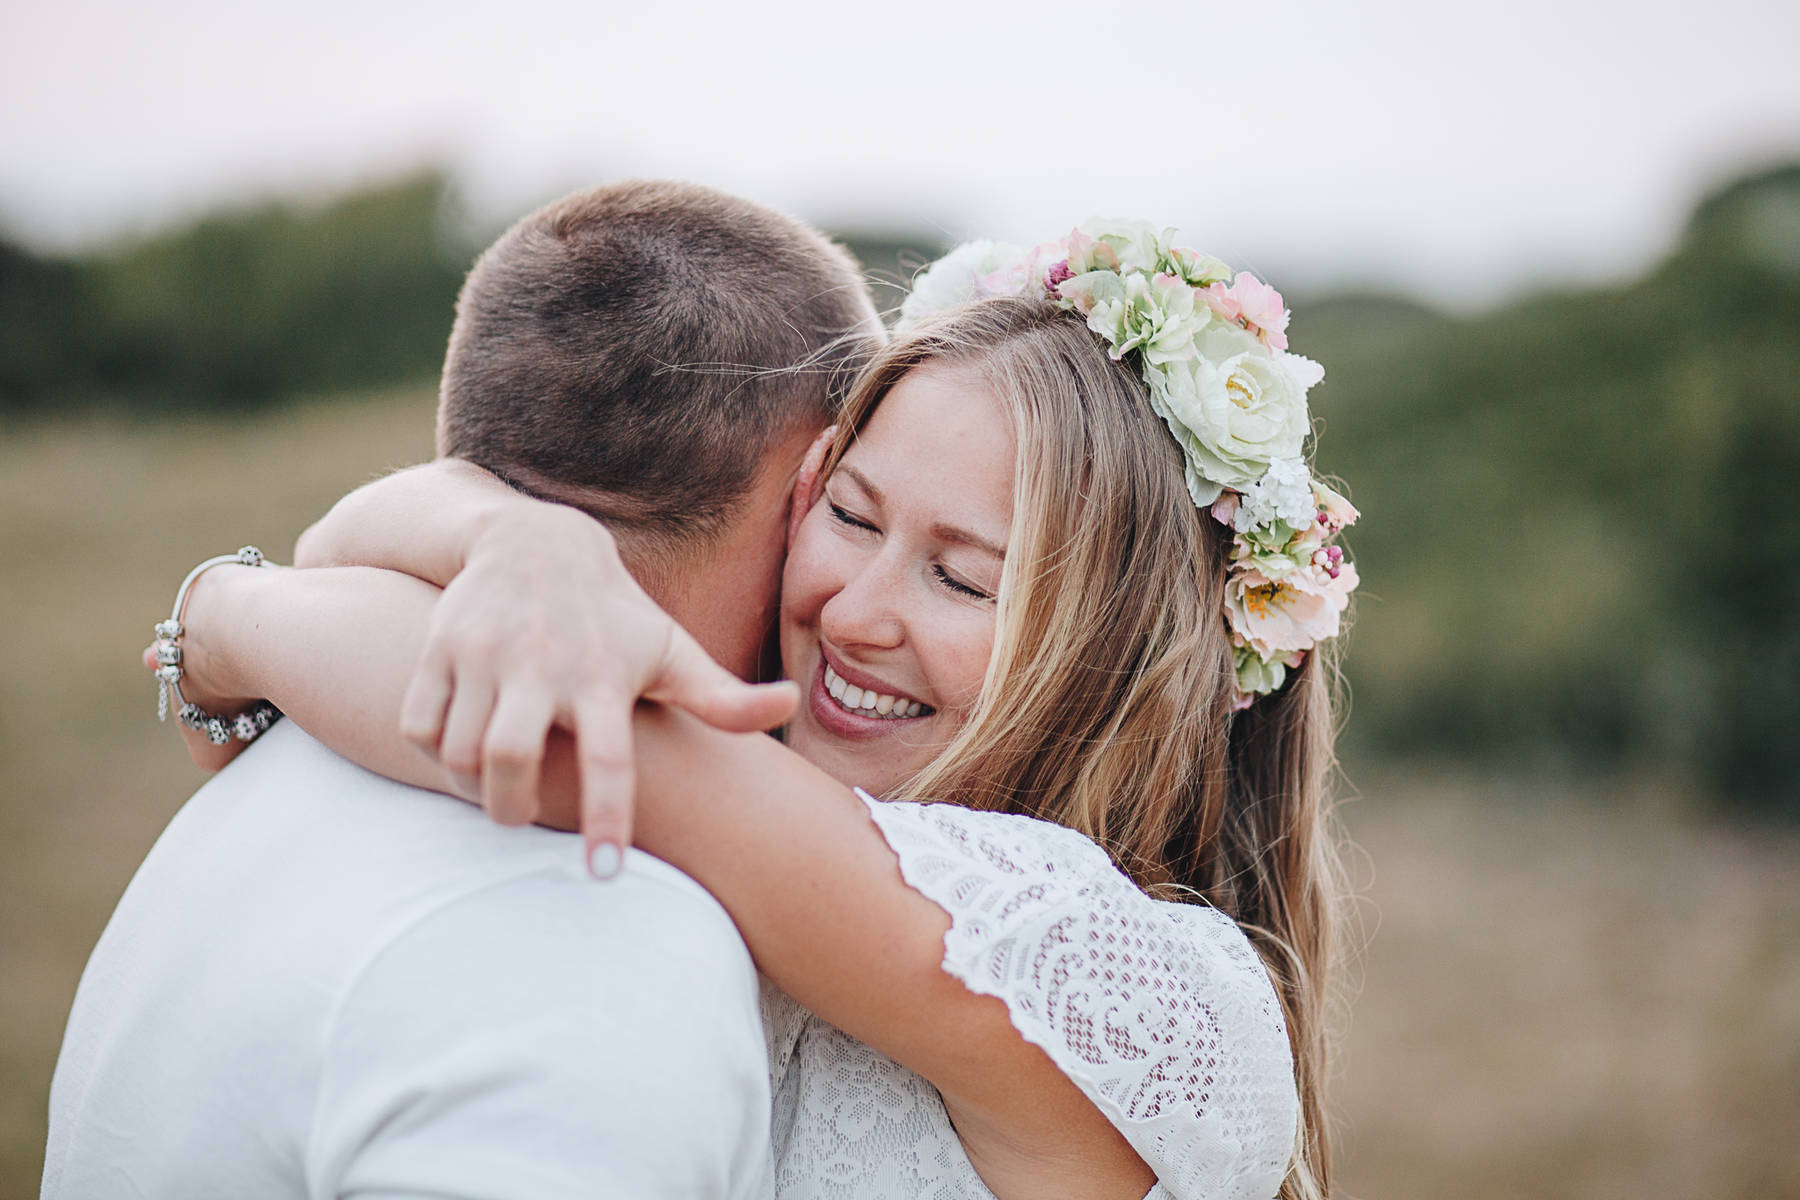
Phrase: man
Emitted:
{"points": [[322, 983]]}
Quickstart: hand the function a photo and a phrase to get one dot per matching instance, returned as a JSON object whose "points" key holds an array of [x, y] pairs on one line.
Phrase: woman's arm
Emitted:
{"points": [[332, 648], [423, 521], [542, 626], [817, 893], [791, 853]]}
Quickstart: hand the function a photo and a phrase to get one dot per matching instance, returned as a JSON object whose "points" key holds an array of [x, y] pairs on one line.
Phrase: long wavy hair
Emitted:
{"points": [[1107, 705]]}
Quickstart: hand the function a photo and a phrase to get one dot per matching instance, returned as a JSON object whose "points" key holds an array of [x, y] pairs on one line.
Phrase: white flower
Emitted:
{"points": [[1283, 496], [1258, 676], [1159, 315], [972, 271], [1198, 269], [1121, 246], [1233, 416]]}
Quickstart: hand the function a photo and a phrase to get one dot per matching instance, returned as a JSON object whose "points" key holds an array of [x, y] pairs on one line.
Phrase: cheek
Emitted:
{"points": [[960, 658], [812, 575]]}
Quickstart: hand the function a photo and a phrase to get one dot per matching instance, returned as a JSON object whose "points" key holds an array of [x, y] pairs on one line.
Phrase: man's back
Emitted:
{"points": [[323, 983]]}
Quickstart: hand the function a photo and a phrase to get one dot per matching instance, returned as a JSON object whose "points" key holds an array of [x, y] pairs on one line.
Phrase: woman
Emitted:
{"points": [[1013, 592]]}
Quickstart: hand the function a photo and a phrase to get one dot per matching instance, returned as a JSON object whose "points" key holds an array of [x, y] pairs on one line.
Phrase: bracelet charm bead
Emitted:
{"points": [[246, 726]]}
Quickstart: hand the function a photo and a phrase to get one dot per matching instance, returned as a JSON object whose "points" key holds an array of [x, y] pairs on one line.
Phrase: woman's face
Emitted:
{"points": [[887, 601]]}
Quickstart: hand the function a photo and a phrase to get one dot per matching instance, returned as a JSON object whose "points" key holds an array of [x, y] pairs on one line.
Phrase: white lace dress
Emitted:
{"points": [[1160, 1012]]}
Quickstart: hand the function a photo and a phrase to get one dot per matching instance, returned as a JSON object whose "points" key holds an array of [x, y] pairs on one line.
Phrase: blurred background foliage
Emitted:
{"points": [[1575, 663], [1579, 547]]}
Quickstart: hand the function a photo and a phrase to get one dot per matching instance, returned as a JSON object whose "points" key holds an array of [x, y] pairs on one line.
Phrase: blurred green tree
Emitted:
{"points": [[241, 308], [1581, 544]]}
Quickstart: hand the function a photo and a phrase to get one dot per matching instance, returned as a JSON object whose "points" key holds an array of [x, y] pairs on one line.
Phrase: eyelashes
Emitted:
{"points": [[844, 517], [957, 586]]}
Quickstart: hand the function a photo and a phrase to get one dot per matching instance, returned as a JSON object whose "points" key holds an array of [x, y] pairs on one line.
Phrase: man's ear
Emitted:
{"points": [[809, 484]]}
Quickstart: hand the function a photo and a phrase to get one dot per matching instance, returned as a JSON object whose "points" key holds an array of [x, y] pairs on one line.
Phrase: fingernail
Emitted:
{"points": [[604, 860], [467, 786]]}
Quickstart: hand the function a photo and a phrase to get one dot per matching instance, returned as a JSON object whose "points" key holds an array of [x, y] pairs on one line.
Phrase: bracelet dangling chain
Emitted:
{"points": [[245, 726]]}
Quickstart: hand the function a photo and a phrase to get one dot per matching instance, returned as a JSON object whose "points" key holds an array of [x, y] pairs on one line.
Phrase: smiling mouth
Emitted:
{"points": [[864, 702]]}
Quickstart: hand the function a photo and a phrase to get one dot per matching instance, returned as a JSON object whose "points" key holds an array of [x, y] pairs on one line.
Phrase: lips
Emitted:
{"points": [[855, 709], [867, 701]]}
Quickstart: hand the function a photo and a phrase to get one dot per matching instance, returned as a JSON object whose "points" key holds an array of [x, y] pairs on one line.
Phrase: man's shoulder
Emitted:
{"points": [[312, 816], [322, 972], [294, 869]]}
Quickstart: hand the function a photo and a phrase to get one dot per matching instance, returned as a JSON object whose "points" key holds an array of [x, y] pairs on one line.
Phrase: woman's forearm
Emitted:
{"points": [[332, 648], [424, 521], [817, 894]]}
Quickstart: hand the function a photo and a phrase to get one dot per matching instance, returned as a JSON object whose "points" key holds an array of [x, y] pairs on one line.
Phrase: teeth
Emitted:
{"points": [[868, 702]]}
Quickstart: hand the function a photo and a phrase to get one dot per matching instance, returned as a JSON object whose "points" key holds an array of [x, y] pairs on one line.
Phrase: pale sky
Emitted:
{"points": [[1463, 151]]}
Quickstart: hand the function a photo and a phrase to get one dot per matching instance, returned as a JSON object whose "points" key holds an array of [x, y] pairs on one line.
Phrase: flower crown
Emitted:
{"points": [[1213, 351]]}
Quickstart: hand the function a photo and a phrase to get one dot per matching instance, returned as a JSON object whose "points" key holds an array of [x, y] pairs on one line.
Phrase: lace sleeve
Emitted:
{"points": [[1160, 1012]]}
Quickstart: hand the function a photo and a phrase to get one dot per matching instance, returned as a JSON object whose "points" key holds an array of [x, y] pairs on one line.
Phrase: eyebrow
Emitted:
{"points": [[944, 533]]}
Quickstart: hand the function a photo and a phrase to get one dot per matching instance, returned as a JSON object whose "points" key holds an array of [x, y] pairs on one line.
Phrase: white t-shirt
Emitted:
{"points": [[322, 983]]}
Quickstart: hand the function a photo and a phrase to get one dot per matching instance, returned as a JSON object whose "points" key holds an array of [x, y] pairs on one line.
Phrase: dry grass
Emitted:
{"points": [[1564, 994], [1568, 994], [98, 521]]}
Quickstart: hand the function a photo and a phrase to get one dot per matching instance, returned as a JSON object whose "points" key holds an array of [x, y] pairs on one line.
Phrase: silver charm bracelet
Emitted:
{"points": [[245, 726]]}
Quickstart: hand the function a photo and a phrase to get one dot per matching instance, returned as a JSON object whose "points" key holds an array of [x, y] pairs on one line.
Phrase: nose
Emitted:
{"points": [[866, 611]]}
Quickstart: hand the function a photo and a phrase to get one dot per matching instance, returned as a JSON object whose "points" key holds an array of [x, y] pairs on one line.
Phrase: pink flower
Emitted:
{"points": [[1294, 613], [1220, 299], [1335, 513], [1225, 508], [1090, 254], [1334, 516], [1261, 308]]}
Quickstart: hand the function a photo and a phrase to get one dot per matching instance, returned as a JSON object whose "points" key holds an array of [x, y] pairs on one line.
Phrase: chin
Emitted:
{"points": [[852, 764]]}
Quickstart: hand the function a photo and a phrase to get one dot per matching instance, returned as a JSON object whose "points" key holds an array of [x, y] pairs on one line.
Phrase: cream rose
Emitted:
{"points": [[1235, 413]]}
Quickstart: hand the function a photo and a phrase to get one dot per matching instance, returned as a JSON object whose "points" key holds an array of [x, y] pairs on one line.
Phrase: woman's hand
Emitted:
{"points": [[540, 626], [544, 628]]}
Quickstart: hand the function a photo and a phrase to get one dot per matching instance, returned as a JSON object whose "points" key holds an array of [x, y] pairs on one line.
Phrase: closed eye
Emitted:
{"points": [[843, 517], [958, 586]]}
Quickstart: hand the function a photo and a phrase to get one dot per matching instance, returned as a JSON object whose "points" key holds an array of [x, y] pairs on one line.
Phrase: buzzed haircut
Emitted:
{"points": [[636, 350]]}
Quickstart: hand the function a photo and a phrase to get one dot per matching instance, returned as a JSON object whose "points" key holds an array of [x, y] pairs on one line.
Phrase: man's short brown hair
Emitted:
{"points": [[636, 350]]}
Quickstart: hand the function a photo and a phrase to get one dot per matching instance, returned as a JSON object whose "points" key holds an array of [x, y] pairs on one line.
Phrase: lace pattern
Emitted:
{"points": [[1160, 1012], [853, 1124]]}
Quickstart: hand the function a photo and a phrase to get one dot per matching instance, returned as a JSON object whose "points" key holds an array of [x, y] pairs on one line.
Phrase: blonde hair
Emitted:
{"points": [[1107, 705]]}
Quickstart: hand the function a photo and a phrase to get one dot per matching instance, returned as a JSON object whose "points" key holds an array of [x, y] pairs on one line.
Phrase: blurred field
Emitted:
{"points": [[1568, 991]]}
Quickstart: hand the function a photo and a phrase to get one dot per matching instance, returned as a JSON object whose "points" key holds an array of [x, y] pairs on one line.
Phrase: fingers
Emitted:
{"points": [[512, 755], [465, 728], [427, 697], [603, 745], [691, 680]]}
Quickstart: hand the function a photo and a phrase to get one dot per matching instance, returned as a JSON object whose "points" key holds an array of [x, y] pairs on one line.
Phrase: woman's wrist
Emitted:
{"points": [[218, 672]]}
